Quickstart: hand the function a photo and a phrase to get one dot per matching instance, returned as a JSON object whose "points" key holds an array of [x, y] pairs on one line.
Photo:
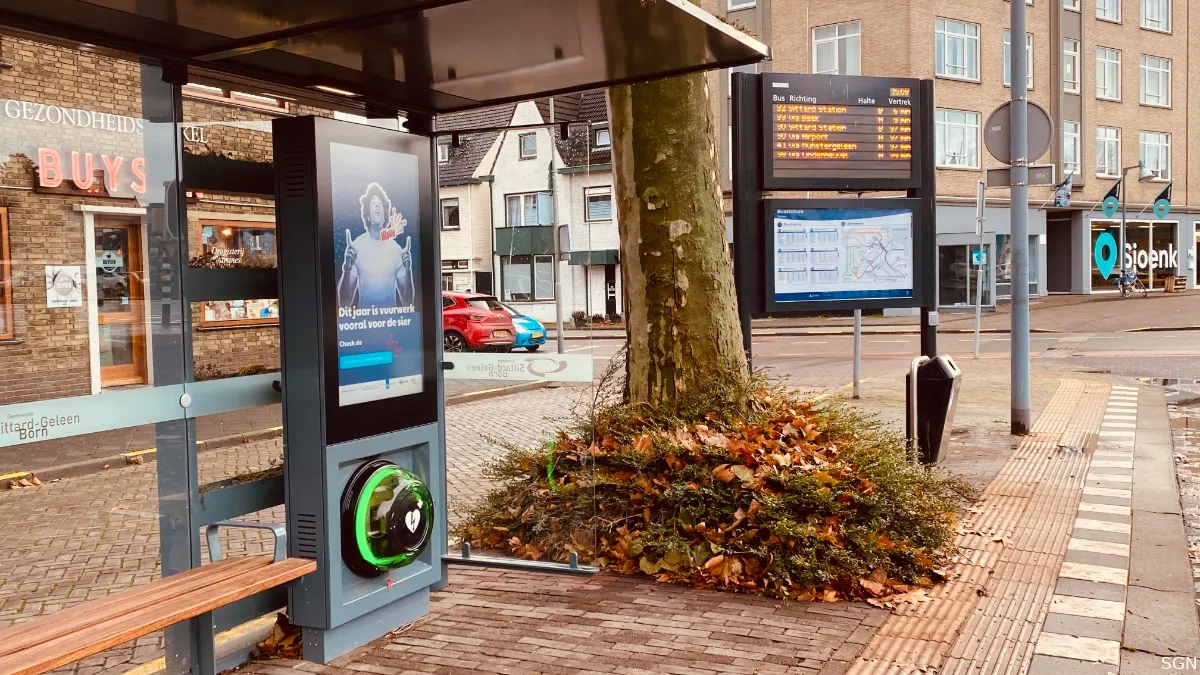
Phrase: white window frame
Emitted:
{"points": [[521, 145], [1103, 16], [1073, 141], [604, 190], [1103, 139], [942, 127], [838, 37], [523, 197], [1162, 141], [734, 5], [597, 130], [1007, 76], [1071, 54], [1071, 5], [1164, 24], [1161, 72], [538, 260], [1103, 64], [443, 205], [970, 47], [443, 151]]}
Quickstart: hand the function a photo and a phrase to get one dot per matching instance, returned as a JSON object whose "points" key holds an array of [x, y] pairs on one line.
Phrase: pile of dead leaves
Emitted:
{"points": [[785, 500]]}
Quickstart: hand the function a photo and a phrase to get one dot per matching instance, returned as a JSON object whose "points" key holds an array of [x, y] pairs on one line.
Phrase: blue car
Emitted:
{"points": [[531, 334]]}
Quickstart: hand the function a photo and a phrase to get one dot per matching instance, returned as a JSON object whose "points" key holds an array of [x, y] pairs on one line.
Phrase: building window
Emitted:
{"points": [[740, 4], [1108, 152], [528, 145], [443, 150], [1072, 5], [6, 307], [447, 285], [1108, 10], [1071, 66], [1071, 148], [450, 214], [527, 277], [233, 244], [1108, 74], [601, 138], [957, 49], [836, 49], [957, 139], [1028, 59], [239, 312], [259, 101], [1154, 149], [529, 209], [1156, 15], [1156, 81], [599, 203]]}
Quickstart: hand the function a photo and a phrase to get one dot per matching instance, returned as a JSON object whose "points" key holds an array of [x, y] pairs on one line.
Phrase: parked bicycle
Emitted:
{"points": [[1129, 283]]}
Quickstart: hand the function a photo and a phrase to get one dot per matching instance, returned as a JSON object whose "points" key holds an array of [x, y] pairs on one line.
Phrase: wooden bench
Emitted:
{"points": [[83, 630]]}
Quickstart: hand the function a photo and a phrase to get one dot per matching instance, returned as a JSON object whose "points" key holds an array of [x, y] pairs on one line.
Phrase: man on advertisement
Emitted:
{"points": [[377, 268]]}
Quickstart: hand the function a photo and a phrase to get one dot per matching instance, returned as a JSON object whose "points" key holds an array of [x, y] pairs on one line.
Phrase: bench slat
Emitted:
{"points": [[67, 621], [67, 649]]}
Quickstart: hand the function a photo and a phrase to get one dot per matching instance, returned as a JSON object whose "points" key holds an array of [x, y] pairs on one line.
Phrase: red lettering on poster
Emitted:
{"points": [[112, 165], [78, 176], [49, 168], [138, 165]]}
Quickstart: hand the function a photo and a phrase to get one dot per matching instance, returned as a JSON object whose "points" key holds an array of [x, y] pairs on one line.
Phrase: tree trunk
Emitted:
{"points": [[681, 311]]}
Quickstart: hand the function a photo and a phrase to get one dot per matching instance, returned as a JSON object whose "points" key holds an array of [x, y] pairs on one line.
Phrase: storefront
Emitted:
{"points": [[966, 260], [1152, 251]]}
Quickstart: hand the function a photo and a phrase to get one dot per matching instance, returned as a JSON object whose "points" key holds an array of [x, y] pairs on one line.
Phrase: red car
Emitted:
{"points": [[475, 322]]}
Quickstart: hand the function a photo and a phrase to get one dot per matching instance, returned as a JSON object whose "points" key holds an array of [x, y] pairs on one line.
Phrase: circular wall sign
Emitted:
{"points": [[387, 518]]}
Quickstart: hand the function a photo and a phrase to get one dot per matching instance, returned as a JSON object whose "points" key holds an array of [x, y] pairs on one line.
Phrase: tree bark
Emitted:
{"points": [[682, 325]]}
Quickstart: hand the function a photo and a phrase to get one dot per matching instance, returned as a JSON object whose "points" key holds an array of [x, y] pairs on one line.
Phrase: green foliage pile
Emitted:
{"points": [[781, 498]]}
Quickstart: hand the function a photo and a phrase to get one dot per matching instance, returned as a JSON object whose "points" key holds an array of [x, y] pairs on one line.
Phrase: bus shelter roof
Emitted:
{"points": [[418, 56]]}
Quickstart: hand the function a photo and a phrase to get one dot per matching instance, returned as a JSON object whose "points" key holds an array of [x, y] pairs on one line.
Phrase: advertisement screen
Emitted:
{"points": [[835, 254], [376, 227]]}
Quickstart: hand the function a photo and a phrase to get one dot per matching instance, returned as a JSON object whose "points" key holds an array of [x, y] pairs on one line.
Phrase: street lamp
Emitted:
{"points": [[1145, 175]]}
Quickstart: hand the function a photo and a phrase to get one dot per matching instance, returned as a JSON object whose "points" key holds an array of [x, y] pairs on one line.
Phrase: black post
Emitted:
{"points": [[928, 196], [746, 195]]}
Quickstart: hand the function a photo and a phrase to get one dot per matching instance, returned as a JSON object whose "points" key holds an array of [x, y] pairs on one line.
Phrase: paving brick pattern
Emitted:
{"points": [[492, 621]]}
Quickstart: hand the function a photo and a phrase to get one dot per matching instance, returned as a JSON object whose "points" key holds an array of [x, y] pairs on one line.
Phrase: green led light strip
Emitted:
{"points": [[363, 511]]}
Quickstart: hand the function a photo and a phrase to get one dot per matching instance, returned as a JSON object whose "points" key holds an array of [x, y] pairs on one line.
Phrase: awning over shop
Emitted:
{"points": [[604, 257], [429, 57]]}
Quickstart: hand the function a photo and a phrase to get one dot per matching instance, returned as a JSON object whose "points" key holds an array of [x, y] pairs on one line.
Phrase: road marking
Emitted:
{"points": [[1079, 648], [1105, 508], [1102, 525], [1095, 609], [1097, 573], [1105, 547], [14, 474], [1105, 492], [1117, 425], [1111, 463], [1119, 387], [579, 349], [1110, 478], [894, 342]]}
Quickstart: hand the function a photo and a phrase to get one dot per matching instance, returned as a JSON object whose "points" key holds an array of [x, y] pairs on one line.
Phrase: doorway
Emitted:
{"points": [[120, 303], [610, 289]]}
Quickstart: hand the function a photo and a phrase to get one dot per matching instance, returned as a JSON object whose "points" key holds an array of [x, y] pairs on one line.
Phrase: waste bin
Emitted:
{"points": [[932, 395]]}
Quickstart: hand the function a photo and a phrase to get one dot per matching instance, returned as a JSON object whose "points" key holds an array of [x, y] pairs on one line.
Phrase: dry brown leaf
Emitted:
{"points": [[723, 474]]}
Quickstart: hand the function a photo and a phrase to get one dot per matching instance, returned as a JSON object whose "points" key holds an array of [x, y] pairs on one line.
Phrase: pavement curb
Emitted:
{"points": [[90, 466], [818, 332]]}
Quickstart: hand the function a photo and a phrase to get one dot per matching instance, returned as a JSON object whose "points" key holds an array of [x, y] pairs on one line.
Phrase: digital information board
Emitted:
{"points": [[858, 252], [840, 132]]}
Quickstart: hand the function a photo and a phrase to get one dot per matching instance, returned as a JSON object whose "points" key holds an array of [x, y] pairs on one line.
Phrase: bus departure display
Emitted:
{"points": [[830, 131]]}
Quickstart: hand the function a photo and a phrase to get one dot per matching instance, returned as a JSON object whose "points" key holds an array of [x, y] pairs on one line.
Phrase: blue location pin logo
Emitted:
{"points": [[1110, 207], [1105, 253], [1161, 208]]}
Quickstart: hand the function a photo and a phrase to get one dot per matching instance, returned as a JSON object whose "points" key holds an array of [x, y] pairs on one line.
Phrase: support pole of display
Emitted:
{"points": [[857, 350], [558, 322], [981, 202], [1021, 412]]}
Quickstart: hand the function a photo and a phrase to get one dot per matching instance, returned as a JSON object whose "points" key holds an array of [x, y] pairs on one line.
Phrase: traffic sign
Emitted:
{"points": [[997, 133], [1039, 174]]}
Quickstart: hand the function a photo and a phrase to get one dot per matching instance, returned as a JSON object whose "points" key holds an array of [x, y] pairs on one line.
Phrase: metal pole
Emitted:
{"points": [[857, 350], [558, 322], [981, 202], [1022, 416], [1124, 204], [1150, 256]]}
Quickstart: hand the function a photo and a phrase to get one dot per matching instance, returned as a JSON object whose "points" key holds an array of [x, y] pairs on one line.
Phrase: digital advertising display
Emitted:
{"points": [[377, 268], [860, 254], [836, 131]]}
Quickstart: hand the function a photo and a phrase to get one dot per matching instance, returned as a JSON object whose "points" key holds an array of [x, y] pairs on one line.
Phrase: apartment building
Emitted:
{"points": [[1115, 76], [503, 191]]}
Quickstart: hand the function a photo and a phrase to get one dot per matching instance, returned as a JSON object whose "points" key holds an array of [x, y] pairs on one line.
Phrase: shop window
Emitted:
{"points": [[1149, 251], [599, 203], [956, 51], [1028, 59], [235, 244], [960, 275], [528, 144], [260, 101], [836, 49], [450, 214], [1004, 265], [527, 277], [528, 210], [6, 309]]}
